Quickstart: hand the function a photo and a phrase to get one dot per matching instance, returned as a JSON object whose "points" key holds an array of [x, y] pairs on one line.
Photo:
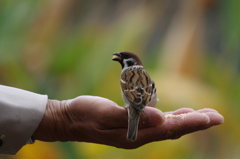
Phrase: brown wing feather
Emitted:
{"points": [[136, 86]]}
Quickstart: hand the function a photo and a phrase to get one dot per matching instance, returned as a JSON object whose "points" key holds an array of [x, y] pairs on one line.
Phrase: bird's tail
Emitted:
{"points": [[133, 119]]}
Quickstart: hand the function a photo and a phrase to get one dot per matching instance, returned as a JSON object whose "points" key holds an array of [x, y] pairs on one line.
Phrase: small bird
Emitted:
{"points": [[138, 90]]}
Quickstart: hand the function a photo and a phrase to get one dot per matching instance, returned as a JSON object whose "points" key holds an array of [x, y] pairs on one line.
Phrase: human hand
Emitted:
{"points": [[99, 120]]}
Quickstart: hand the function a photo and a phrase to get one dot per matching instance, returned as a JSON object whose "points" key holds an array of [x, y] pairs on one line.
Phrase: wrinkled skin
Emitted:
{"points": [[99, 120]]}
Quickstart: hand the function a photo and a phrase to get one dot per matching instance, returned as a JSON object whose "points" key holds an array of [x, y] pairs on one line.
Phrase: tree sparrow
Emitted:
{"points": [[138, 90]]}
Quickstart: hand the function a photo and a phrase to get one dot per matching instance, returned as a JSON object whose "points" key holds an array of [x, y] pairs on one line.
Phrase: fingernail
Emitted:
{"points": [[215, 118]]}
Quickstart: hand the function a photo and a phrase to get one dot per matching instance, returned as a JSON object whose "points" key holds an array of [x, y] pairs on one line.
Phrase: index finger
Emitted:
{"points": [[117, 117]]}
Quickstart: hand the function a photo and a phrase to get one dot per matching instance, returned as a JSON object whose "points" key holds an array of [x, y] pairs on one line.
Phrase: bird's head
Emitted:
{"points": [[127, 59]]}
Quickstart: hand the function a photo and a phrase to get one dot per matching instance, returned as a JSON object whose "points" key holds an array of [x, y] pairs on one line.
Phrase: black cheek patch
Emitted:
{"points": [[130, 63]]}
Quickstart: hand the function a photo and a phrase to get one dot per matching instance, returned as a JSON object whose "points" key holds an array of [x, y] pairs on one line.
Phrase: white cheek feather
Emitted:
{"points": [[125, 64]]}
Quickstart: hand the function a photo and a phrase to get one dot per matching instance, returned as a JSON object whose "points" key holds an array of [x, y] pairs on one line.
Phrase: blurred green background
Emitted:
{"points": [[63, 48]]}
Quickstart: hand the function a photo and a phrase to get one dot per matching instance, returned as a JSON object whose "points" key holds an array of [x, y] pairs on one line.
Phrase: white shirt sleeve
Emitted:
{"points": [[20, 114]]}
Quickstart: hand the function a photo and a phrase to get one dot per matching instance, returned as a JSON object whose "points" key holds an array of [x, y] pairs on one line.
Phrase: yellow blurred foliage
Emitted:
{"points": [[40, 150]]}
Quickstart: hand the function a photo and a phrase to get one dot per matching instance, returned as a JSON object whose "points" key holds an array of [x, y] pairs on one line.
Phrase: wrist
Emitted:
{"points": [[52, 126]]}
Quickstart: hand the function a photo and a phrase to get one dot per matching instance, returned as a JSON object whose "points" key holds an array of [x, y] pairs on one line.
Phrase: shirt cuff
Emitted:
{"points": [[20, 114]]}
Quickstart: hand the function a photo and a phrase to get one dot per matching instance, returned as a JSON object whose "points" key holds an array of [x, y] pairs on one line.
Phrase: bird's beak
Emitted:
{"points": [[117, 57]]}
